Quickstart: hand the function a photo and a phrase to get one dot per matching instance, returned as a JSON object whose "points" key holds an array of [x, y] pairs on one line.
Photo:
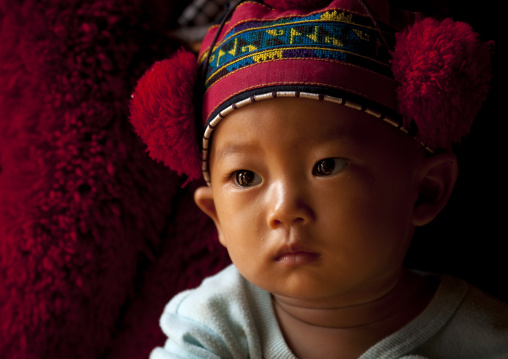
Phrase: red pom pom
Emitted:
{"points": [[443, 74], [297, 4], [162, 112]]}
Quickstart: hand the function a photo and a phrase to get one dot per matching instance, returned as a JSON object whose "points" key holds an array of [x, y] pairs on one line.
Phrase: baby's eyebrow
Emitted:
{"points": [[234, 148]]}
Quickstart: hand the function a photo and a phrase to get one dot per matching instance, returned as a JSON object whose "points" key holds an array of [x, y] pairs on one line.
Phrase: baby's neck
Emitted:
{"points": [[314, 332]]}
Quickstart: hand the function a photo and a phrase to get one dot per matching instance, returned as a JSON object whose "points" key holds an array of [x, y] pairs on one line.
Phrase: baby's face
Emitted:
{"points": [[313, 200]]}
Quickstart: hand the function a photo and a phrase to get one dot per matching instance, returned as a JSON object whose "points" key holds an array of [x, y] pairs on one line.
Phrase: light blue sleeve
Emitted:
{"points": [[211, 321], [189, 339]]}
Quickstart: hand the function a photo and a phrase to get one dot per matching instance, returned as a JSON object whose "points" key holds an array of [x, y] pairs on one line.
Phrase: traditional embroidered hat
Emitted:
{"points": [[428, 79]]}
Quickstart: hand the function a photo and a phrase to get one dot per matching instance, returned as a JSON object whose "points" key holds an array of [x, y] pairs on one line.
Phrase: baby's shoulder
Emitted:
{"points": [[225, 300], [218, 319], [477, 326], [211, 295], [460, 321], [484, 317]]}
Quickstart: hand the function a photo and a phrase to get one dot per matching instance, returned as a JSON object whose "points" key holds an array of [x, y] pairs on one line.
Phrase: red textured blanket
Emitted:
{"points": [[95, 237]]}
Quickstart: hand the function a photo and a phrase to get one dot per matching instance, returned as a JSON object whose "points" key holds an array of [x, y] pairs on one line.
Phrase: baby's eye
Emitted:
{"points": [[329, 166], [246, 178]]}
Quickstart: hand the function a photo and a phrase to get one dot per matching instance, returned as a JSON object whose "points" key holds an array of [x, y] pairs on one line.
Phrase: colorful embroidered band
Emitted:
{"points": [[330, 35], [336, 48]]}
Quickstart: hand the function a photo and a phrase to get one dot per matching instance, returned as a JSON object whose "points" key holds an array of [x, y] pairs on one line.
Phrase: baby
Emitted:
{"points": [[326, 141]]}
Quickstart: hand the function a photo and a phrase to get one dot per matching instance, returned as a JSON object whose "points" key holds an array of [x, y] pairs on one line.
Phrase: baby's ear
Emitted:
{"points": [[203, 196], [438, 174]]}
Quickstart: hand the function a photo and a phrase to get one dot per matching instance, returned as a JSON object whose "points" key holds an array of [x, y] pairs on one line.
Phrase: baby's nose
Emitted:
{"points": [[289, 205]]}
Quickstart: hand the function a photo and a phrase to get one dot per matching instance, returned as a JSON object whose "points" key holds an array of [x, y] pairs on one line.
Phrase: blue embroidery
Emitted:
{"points": [[333, 35]]}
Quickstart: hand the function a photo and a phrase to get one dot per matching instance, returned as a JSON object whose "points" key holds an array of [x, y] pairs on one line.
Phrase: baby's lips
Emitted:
{"points": [[296, 253]]}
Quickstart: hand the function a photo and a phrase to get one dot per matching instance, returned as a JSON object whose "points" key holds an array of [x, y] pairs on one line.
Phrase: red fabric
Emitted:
{"points": [[326, 73], [437, 90], [95, 237], [300, 4]]}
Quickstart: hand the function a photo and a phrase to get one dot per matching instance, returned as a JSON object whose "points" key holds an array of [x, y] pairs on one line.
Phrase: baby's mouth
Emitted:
{"points": [[297, 258], [296, 255]]}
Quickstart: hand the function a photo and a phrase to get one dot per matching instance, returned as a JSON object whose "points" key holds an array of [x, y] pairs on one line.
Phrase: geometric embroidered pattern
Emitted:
{"points": [[332, 35]]}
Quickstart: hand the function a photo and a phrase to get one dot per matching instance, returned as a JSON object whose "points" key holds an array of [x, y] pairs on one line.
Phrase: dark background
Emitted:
{"points": [[468, 239]]}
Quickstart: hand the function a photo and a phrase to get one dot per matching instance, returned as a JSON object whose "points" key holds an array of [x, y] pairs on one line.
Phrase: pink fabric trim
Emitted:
{"points": [[332, 74]]}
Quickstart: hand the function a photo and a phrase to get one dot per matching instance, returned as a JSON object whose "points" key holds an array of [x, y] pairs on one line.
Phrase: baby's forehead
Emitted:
{"points": [[297, 114], [303, 122]]}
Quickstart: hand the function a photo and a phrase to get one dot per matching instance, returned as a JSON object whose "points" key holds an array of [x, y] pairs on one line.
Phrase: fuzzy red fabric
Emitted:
{"points": [[162, 112], [443, 75], [296, 4], [95, 237]]}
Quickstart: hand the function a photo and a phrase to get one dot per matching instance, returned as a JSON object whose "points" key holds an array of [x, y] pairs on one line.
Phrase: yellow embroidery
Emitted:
{"points": [[361, 35], [249, 48], [334, 41], [275, 32], [233, 51], [267, 55], [221, 53], [314, 37], [336, 16], [294, 33]]}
